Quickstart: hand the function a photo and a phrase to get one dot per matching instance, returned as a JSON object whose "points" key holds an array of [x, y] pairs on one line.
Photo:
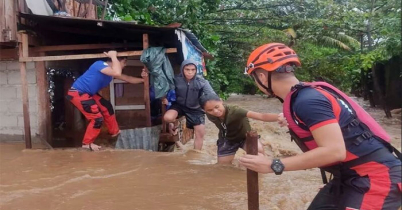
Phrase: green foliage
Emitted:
{"points": [[326, 34]]}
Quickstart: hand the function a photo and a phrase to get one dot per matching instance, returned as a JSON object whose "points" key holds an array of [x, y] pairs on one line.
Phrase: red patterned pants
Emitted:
{"points": [[97, 110]]}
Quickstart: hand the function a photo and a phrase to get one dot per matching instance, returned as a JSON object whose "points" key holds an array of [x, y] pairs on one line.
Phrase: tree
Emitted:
{"points": [[331, 37]]}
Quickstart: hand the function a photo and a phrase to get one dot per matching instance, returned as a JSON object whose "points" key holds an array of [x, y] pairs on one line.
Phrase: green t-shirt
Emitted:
{"points": [[235, 126]]}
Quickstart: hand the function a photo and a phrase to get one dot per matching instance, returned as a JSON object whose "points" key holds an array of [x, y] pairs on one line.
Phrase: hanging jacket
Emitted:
{"points": [[160, 70], [303, 137], [188, 93]]}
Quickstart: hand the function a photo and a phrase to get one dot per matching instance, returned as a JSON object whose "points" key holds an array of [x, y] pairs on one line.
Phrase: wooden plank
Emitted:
{"points": [[112, 96], [91, 11], [10, 24], [130, 119], [117, 81], [129, 107], [163, 114], [9, 54], [25, 103], [86, 56], [147, 101], [252, 176], [134, 63], [71, 30], [2, 20], [69, 109], [44, 114], [85, 47], [73, 9], [168, 138], [104, 10]]}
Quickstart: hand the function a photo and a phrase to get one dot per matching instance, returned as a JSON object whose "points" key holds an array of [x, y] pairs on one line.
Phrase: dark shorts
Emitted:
{"points": [[193, 116], [226, 147], [381, 190]]}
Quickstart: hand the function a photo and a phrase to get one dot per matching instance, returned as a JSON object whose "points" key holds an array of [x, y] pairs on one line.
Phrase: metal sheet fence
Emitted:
{"points": [[139, 138]]}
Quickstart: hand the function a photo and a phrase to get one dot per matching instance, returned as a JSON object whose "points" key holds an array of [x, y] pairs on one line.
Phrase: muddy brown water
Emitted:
{"points": [[135, 179]]}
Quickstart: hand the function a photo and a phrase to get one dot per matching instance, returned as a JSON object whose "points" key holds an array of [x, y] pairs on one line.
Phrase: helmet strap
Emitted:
{"points": [[269, 83], [268, 89]]}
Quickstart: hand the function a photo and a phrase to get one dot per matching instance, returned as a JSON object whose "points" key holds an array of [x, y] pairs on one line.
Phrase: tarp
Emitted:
{"points": [[39, 7], [191, 51], [160, 70]]}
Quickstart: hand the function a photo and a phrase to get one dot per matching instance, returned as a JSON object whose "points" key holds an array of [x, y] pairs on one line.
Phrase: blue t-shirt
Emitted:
{"points": [[93, 79], [314, 110]]}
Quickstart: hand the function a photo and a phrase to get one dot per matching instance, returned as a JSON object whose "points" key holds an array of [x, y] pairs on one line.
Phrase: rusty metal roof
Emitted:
{"points": [[96, 2], [92, 23], [64, 28]]}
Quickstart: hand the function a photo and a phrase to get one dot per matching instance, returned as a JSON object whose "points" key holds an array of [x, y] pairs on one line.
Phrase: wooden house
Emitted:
{"points": [[40, 45]]}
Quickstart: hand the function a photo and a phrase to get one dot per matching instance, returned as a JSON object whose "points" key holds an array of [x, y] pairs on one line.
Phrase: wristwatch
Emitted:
{"points": [[277, 166]]}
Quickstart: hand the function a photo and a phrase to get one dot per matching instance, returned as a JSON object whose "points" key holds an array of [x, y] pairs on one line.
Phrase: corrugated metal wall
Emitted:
{"points": [[139, 138]]}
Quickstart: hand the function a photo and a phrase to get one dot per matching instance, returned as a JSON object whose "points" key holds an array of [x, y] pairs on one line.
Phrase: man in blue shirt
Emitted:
{"points": [[84, 95]]}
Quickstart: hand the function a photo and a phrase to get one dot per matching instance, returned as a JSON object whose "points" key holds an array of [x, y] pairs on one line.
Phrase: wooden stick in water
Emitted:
{"points": [[252, 176]]}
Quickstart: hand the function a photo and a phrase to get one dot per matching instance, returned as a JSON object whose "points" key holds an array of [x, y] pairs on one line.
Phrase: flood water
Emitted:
{"points": [[135, 179]]}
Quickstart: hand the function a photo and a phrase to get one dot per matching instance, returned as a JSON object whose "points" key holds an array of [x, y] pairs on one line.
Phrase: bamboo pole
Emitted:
{"points": [[23, 49], [252, 176]]}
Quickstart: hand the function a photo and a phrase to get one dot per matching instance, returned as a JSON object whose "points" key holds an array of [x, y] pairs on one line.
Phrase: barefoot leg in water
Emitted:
{"points": [[173, 129], [92, 147]]}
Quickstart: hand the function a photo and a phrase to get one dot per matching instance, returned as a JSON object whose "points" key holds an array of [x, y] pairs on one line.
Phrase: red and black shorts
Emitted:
{"points": [[377, 188]]}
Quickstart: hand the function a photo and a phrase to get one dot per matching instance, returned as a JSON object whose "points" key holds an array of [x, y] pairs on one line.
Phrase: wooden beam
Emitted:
{"points": [[86, 56], [129, 107], [168, 138], [147, 101], [134, 63], [91, 11], [22, 7], [252, 176], [2, 20], [85, 47], [23, 47], [9, 54], [44, 114], [118, 81], [74, 30], [163, 114], [104, 10], [12, 54], [9, 28], [112, 95]]}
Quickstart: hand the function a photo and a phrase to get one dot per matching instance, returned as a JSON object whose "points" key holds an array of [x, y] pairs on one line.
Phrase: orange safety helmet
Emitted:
{"points": [[271, 57]]}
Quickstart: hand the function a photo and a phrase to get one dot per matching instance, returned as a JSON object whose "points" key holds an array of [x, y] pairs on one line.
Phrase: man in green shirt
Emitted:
{"points": [[233, 124]]}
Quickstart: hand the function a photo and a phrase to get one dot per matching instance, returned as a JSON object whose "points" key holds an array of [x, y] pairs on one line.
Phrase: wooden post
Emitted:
{"points": [[22, 6], [104, 10], [163, 114], [147, 102], [252, 176], [44, 114], [90, 14], [23, 49]]}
